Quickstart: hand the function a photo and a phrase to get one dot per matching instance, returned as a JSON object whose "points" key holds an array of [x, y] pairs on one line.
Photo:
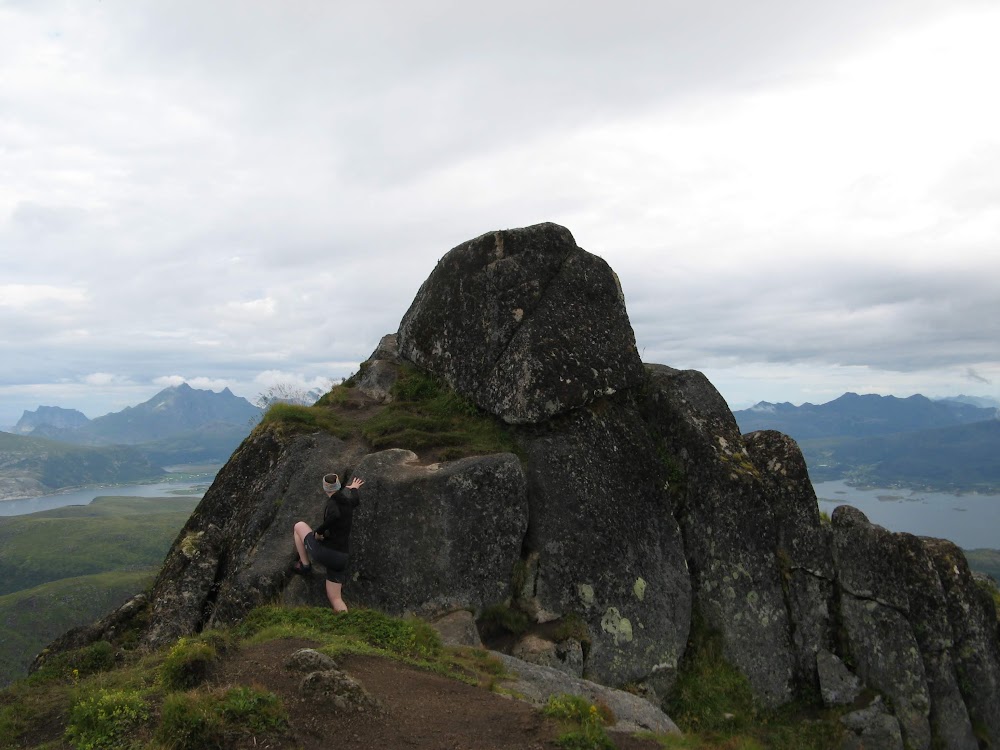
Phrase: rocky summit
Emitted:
{"points": [[625, 516]]}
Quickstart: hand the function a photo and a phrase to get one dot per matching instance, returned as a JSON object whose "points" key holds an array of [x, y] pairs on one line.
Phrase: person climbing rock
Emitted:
{"points": [[329, 544]]}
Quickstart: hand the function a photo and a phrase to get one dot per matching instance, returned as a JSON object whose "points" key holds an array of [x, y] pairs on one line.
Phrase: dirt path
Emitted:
{"points": [[424, 711]]}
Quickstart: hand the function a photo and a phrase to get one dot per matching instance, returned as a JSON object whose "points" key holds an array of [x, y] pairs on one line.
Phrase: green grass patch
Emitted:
{"points": [[583, 721], [426, 413], [106, 720], [208, 719], [503, 619], [409, 638], [295, 418], [187, 664], [712, 702]]}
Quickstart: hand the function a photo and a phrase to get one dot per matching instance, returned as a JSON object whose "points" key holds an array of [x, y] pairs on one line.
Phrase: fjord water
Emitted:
{"points": [[970, 520], [194, 484]]}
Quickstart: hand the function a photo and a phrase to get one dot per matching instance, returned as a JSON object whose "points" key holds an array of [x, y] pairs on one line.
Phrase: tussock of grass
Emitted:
{"points": [[584, 722], [425, 413], [409, 638], [712, 702], [501, 619], [295, 418]]}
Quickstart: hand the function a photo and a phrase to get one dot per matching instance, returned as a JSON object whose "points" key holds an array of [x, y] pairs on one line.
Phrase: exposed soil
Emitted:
{"points": [[423, 711]]}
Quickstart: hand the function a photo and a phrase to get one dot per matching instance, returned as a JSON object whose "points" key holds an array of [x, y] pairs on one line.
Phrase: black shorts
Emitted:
{"points": [[333, 560]]}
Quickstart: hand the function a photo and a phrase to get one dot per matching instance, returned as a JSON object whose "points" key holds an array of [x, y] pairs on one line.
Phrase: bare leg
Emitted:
{"points": [[299, 533], [333, 591]]}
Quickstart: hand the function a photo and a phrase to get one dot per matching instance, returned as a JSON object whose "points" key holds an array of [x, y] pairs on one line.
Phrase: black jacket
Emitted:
{"points": [[337, 519]]}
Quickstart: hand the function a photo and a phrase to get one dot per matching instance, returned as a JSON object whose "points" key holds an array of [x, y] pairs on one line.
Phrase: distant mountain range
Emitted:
{"points": [[948, 444], [52, 447]]}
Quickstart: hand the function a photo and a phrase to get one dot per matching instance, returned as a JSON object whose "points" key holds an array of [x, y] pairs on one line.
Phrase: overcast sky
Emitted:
{"points": [[800, 198]]}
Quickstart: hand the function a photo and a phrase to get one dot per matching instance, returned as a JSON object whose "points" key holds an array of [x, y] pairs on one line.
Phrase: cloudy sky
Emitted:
{"points": [[800, 198]]}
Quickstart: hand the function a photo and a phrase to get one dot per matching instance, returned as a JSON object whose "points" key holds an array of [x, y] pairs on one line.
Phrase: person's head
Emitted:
{"points": [[331, 483]]}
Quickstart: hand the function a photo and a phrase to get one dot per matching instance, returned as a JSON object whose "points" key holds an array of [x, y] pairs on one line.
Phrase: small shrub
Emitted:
{"points": [[97, 657], [302, 418], [710, 694], [189, 721], [502, 618], [200, 720], [573, 626], [258, 710], [106, 720], [410, 638], [187, 664], [587, 719]]}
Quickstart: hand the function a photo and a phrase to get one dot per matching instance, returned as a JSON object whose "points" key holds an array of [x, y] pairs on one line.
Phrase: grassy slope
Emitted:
{"points": [[31, 619], [56, 464], [112, 533], [984, 561], [69, 566]]}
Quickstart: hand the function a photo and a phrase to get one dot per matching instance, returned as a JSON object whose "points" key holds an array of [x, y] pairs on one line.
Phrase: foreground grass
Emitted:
{"points": [[90, 700]]}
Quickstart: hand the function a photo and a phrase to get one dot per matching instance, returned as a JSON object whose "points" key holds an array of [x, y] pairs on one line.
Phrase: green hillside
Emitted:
{"points": [[31, 619], [984, 561], [948, 458], [55, 464], [112, 533]]}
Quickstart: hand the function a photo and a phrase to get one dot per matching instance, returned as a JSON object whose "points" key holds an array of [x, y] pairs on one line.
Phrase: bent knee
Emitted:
{"points": [[301, 528]]}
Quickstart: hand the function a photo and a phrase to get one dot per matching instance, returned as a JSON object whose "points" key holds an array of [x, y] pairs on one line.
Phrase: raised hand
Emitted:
{"points": [[355, 483]]}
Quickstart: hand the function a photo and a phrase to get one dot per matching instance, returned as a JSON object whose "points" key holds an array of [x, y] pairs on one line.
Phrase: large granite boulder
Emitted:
{"points": [[524, 323], [949, 717], [729, 528], [603, 544], [875, 616], [976, 637], [804, 550], [431, 539]]}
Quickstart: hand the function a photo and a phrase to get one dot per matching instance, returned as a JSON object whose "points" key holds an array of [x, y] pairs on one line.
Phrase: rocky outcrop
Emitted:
{"points": [[603, 544], [535, 683], [629, 511], [729, 526], [502, 319], [430, 539], [875, 611]]}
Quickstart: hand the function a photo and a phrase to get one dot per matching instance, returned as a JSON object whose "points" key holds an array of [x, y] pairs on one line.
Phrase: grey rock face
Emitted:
{"points": [[872, 727], [524, 323], [949, 718], [378, 374], [310, 660], [605, 545], [458, 629], [804, 549], [235, 551], [838, 685], [874, 610], [566, 656], [729, 529], [535, 683], [430, 539], [976, 636], [338, 691]]}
